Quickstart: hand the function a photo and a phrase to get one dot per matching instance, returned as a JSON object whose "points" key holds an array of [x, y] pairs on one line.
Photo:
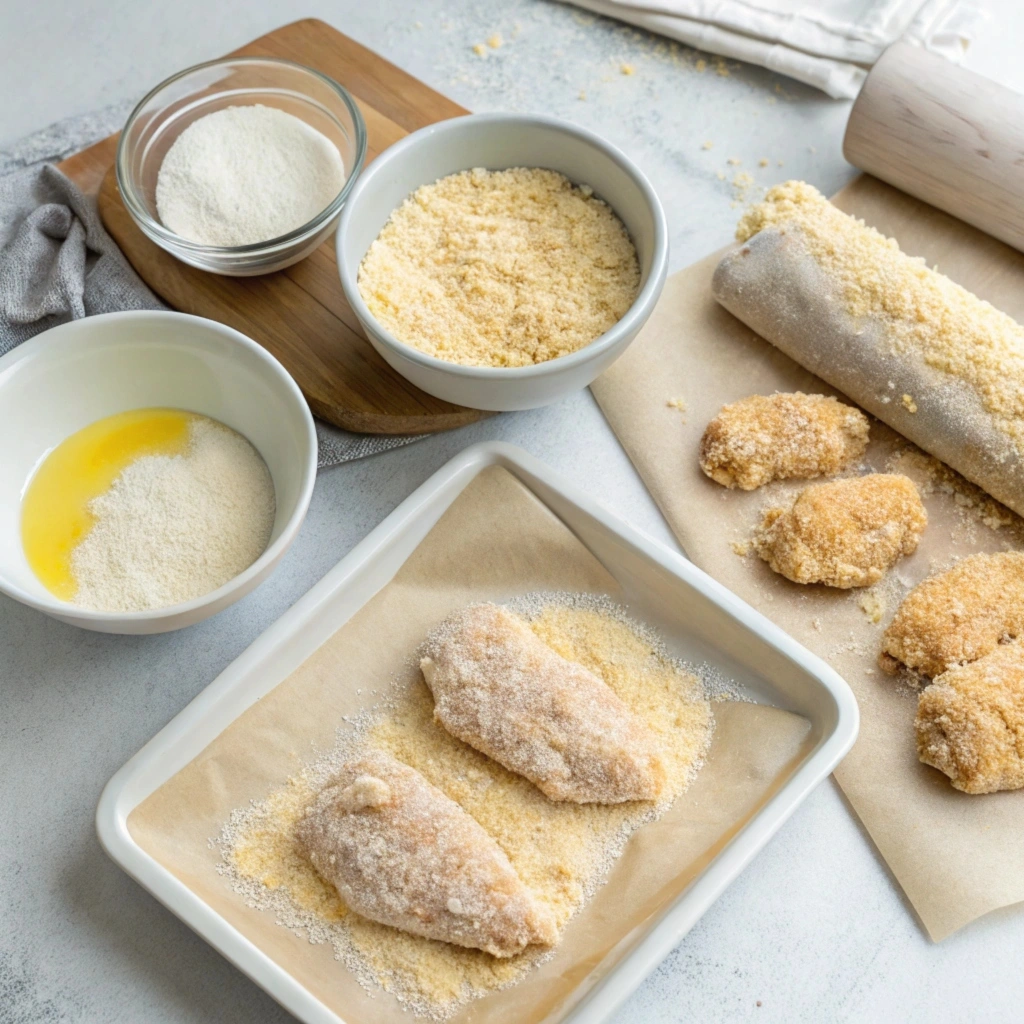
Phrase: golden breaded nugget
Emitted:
{"points": [[780, 436], [402, 853], [502, 690], [959, 615], [844, 533], [970, 722]]}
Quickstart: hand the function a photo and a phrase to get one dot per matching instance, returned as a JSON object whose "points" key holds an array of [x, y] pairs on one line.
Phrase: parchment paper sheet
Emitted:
{"points": [[956, 856], [494, 542]]}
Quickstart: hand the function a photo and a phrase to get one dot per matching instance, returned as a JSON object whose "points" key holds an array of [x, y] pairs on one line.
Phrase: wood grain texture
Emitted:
{"points": [[300, 314], [944, 135]]}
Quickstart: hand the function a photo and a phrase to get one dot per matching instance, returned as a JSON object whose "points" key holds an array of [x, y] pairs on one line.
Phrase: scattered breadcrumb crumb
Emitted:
{"points": [[931, 475], [627, 69], [677, 403], [763, 162], [495, 41], [742, 183], [480, 49], [872, 604], [734, 161], [707, 145], [741, 548], [908, 403], [701, 66], [583, 94]]}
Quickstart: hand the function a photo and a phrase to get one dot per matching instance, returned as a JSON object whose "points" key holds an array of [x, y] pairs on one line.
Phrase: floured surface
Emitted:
{"points": [[956, 856], [561, 851], [465, 558]]}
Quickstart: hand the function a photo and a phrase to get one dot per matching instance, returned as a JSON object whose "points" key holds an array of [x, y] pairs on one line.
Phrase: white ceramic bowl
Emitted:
{"points": [[499, 141], [71, 376]]}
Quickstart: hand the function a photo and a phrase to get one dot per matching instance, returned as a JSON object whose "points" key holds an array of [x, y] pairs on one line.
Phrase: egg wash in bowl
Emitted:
{"points": [[146, 509], [500, 268]]}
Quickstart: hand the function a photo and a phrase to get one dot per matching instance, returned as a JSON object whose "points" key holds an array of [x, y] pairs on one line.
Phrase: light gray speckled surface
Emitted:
{"points": [[815, 929]]}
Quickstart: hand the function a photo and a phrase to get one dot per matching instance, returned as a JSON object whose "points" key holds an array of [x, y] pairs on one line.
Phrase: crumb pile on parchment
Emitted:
{"points": [[500, 268], [926, 314], [562, 851], [931, 475]]}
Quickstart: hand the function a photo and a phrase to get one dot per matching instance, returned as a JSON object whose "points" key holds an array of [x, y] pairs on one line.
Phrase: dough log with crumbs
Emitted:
{"points": [[957, 616], [782, 436], [970, 722], [844, 533], [402, 853], [933, 361], [500, 689]]}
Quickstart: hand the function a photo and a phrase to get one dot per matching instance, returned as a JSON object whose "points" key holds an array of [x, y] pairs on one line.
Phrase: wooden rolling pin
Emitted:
{"points": [[945, 135]]}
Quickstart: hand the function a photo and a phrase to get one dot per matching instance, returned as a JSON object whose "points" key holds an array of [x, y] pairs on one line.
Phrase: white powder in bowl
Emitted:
{"points": [[175, 527], [246, 174]]}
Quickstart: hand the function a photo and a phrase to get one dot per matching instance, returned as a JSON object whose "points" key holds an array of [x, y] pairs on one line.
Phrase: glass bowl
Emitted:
{"points": [[173, 105]]}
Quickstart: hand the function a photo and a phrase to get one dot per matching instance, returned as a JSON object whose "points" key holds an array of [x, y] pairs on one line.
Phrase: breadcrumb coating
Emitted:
{"points": [[970, 722], [502, 690], [959, 615], [777, 437], [500, 268], [402, 853], [844, 533]]}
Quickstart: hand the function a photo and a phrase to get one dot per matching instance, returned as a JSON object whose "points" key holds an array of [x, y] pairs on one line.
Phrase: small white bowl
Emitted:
{"points": [[71, 376], [499, 141]]}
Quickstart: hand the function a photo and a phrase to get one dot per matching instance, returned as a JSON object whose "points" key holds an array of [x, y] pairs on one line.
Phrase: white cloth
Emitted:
{"points": [[829, 44]]}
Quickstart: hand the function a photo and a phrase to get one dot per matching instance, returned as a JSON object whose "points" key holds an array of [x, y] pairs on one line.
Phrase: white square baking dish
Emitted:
{"points": [[700, 620]]}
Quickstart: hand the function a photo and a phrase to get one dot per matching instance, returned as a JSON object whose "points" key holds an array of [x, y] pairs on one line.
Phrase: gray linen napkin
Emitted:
{"points": [[57, 263]]}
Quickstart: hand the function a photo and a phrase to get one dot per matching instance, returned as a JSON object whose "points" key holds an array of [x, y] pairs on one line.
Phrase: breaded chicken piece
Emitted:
{"points": [[502, 690], [402, 853], [781, 436], [970, 722], [959, 615], [844, 533]]}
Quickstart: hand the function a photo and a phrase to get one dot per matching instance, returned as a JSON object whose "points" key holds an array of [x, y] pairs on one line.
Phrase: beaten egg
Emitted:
{"points": [[55, 516]]}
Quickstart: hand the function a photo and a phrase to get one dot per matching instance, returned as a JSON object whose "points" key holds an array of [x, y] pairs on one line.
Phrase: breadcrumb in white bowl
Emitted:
{"points": [[499, 142]]}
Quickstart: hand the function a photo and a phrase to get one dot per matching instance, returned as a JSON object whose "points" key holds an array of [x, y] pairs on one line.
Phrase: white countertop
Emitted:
{"points": [[816, 929]]}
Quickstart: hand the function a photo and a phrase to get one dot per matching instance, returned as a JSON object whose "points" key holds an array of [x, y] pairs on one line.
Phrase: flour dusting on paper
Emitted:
{"points": [[562, 851]]}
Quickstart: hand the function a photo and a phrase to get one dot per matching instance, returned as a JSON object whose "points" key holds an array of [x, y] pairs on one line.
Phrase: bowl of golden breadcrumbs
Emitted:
{"points": [[500, 261]]}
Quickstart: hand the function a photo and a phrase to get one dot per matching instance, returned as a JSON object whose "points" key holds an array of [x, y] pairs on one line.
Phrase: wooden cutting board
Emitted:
{"points": [[300, 314]]}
